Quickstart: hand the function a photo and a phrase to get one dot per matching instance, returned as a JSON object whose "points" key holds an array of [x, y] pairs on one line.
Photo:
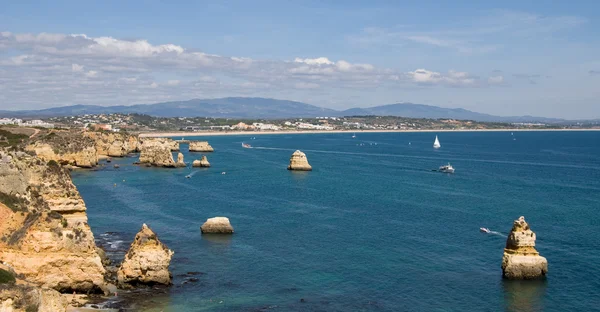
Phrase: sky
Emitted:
{"points": [[506, 58]]}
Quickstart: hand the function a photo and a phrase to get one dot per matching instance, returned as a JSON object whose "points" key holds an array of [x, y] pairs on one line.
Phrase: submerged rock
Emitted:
{"points": [[200, 146], [217, 225], [201, 163], [298, 161], [147, 261], [521, 260]]}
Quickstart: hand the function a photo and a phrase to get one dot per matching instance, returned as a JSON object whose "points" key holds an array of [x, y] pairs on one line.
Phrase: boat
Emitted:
{"points": [[446, 169], [116, 166], [436, 143], [246, 145], [484, 230], [354, 135], [108, 159], [188, 176]]}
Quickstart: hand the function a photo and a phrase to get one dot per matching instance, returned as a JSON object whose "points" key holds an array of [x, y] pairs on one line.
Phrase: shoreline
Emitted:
{"points": [[222, 133]]}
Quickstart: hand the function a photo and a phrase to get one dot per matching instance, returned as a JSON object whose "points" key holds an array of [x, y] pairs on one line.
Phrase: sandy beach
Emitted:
{"points": [[253, 133]]}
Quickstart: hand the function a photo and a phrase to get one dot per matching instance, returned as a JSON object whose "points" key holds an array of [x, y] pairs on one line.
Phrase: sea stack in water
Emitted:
{"points": [[521, 260], [299, 162], [147, 261], [217, 225], [200, 146], [180, 162], [201, 163]]}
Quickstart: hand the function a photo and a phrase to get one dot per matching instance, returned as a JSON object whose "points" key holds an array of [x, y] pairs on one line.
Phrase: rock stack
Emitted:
{"points": [[180, 162], [521, 260], [217, 225], [200, 146], [299, 162], [201, 163], [158, 153], [146, 262]]}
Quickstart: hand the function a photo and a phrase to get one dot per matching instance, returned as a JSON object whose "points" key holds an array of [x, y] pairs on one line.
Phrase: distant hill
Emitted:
{"points": [[244, 107]]}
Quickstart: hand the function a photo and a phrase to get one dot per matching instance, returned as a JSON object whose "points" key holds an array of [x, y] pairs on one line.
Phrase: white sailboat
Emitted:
{"points": [[436, 143], [354, 135]]}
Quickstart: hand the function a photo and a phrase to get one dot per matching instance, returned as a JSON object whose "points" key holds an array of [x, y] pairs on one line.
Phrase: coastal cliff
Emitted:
{"points": [[299, 162], [200, 146], [113, 144], [147, 261], [44, 235], [521, 260], [66, 148], [22, 298], [157, 152]]}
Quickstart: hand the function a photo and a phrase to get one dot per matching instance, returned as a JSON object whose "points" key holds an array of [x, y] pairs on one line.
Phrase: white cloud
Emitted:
{"points": [[125, 72], [76, 68], [91, 74], [496, 80], [314, 61]]}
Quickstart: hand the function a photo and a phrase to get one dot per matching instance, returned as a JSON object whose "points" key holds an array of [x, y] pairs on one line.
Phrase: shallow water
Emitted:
{"points": [[371, 228]]}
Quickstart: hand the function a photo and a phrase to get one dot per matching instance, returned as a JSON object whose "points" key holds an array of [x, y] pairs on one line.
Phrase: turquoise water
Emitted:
{"points": [[371, 228]]}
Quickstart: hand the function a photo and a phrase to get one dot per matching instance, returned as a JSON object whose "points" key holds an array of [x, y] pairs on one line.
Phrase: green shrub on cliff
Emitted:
{"points": [[13, 202], [6, 277]]}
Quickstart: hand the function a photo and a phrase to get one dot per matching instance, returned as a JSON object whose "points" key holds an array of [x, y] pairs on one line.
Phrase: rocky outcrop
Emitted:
{"points": [[22, 298], [200, 146], [521, 260], [201, 163], [110, 144], [217, 225], [44, 235], [299, 162], [173, 145], [66, 148], [146, 262], [157, 152]]}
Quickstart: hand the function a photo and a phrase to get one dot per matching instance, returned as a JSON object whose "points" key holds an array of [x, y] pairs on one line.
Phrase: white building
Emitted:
{"points": [[10, 121]]}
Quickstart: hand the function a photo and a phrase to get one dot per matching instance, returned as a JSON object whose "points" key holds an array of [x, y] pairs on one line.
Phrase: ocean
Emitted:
{"points": [[371, 228]]}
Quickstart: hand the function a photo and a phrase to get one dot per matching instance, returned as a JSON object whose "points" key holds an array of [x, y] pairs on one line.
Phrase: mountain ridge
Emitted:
{"points": [[268, 108]]}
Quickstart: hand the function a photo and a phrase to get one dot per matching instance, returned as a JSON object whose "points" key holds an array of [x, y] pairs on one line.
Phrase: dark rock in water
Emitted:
{"points": [[302, 300]]}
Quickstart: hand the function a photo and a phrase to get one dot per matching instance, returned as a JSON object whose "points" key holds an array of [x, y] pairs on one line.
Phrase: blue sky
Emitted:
{"points": [[506, 58]]}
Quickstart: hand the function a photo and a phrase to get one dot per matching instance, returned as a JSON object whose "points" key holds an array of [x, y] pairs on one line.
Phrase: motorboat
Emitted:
{"points": [[354, 135], [108, 159], [188, 176], [446, 168], [246, 145], [484, 230], [116, 166]]}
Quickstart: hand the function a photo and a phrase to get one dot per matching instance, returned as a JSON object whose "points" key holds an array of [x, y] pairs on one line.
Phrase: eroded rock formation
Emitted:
{"points": [[521, 260], [217, 225], [147, 261], [44, 235], [22, 298], [157, 152], [201, 163], [65, 147], [200, 146], [299, 162], [111, 144]]}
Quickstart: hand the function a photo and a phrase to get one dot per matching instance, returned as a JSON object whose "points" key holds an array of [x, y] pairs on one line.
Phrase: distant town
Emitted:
{"points": [[146, 123]]}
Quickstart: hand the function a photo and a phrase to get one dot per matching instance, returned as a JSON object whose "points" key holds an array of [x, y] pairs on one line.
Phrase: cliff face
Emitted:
{"points": [[298, 161], [521, 260], [200, 146], [114, 144], [157, 152], [44, 233], [147, 260], [25, 299], [65, 147]]}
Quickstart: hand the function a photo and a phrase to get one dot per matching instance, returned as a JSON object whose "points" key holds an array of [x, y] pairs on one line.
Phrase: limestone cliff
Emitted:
{"points": [[65, 147], [173, 145], [521, 260], [113, 144], [147, 261], [44, 235], [217, 225], [200, 146], [22, 298], [298, 161], [201, 163], [157, 152]]}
